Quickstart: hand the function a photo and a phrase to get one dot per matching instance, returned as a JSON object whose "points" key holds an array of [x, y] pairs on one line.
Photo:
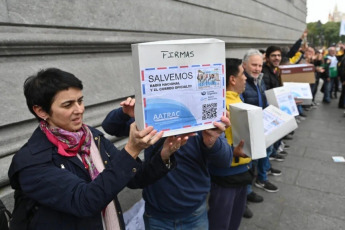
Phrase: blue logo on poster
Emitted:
{"points": [[294, 94], [167, 114], [285, 109]]}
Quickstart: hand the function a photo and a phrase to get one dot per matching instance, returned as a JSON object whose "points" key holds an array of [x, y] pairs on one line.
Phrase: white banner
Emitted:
{"points": [[342, 28]]}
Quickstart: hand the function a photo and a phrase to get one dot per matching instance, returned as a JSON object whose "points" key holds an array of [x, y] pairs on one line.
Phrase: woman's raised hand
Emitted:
{"points": [[139, 140]]}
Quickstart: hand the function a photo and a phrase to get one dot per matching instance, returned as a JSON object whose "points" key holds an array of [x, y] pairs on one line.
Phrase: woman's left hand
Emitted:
{"points": [[210, 136], [173, 143], [139, 140]]}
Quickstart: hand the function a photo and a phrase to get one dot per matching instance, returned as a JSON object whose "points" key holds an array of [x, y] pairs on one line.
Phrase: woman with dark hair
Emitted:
{"points": [[67, 175]]}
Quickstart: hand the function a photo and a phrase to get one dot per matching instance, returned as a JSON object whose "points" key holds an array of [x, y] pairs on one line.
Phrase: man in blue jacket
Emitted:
{"points": [[178, 201], [255, 94]]}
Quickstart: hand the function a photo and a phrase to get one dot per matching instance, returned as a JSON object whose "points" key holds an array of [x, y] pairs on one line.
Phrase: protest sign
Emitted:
{"points": [[301, 91], [277, 124], [282, 98], [180, 84]]}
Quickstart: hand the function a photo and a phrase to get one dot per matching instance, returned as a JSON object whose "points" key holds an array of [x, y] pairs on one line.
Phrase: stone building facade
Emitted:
{"points": [[92, 39]]}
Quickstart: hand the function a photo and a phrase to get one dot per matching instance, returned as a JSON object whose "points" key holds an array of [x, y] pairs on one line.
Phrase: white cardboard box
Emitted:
{"points": [[277, 124], [282, 98], [246, 124], [180, 84], [301, 91]]}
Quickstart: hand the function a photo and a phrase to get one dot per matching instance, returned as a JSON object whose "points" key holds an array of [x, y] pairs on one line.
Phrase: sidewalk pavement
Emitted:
{"points": [[311, 192]]}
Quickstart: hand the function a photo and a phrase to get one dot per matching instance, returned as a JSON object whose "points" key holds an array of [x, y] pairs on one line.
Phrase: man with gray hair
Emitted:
{"points": [[255, 94]]}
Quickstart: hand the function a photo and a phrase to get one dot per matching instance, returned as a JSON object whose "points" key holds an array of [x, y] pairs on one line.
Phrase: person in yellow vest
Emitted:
{"points": [[228, 195]]}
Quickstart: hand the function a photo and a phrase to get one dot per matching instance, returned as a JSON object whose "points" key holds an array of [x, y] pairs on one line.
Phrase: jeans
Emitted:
{"points": [[255, 166], [300, 109], [264, 165], [195, 221], [327, 91], [249, 189], [276, 146], [274, 149]]}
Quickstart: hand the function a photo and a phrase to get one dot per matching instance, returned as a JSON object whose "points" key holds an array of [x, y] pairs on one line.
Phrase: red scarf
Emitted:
{"points": [[69, 144]]}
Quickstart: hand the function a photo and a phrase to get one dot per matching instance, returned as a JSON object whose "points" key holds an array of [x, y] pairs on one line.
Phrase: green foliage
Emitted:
{"points": [[324, 34]]}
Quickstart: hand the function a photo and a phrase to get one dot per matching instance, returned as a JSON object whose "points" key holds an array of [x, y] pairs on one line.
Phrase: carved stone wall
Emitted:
{"points": [[92, 40]]}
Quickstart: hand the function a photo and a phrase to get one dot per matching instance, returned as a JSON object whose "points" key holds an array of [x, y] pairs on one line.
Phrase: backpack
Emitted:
{"points": [[23, 212], [5, 216]]}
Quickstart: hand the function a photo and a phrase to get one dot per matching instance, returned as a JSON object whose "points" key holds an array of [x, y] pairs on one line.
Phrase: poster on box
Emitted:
{"points": [[277, 124], [282, 98], [179, 91], [287, 103], [271, 122], [301, 91]]}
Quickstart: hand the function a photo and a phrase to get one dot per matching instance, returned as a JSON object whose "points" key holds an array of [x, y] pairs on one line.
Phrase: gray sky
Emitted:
{"points": [[319, 9]]}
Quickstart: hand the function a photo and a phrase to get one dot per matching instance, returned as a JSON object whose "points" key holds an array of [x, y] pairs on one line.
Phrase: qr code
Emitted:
{"points": [[209, 111]]}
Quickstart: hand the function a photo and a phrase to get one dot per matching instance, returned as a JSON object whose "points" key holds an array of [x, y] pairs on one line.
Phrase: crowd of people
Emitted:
{"points": [[68, 174]]}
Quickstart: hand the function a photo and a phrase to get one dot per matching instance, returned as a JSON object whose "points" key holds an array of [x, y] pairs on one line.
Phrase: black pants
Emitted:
{"points": [[342, 98], [315, 85]]}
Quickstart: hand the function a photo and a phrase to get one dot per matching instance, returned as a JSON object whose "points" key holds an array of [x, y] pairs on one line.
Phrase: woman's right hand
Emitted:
{"points": [[139, 140]]}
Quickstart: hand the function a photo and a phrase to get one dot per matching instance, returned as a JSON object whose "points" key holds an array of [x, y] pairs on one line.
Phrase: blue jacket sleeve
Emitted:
{"points": [[220, 154], [117, 123], [263, 88]]}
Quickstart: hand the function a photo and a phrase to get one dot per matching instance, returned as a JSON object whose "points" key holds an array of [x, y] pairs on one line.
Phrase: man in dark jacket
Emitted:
{"points": [[270, 67], [255, 94], [272, 80]]}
